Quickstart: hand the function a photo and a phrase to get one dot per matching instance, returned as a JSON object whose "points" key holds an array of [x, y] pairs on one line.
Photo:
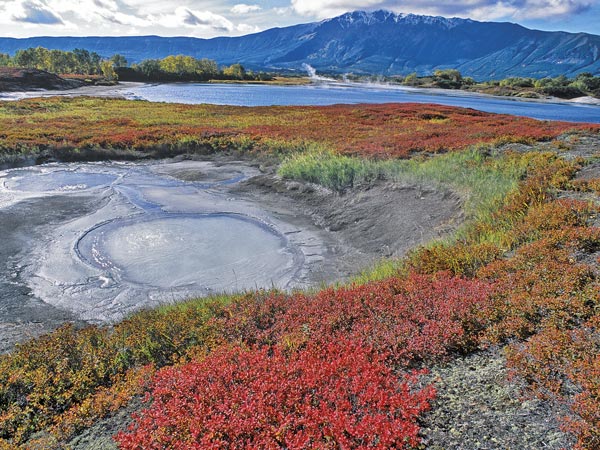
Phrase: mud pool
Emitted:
{"points": [[95, 241]]}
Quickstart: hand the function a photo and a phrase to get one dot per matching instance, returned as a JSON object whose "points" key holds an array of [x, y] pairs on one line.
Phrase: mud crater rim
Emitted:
{"points": [[92, 246], [56, 180]]}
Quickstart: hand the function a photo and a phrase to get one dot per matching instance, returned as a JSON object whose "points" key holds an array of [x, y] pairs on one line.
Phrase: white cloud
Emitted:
{"points": [[328, 8], [95, 11], [116, 15], [185, 17], [242, 8], [476, 9], [31, 12], [246, 28], [282, 11]]}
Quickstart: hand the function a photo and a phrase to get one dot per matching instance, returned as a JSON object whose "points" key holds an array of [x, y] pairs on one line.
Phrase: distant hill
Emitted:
{"points": [[379, 42]]}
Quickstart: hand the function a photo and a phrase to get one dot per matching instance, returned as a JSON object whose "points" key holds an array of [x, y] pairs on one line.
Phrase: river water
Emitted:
{"points": [[334, 93]]}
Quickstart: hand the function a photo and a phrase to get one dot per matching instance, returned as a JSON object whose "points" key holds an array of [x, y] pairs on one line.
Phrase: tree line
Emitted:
{"points": [[84, 62], [561, 86]]}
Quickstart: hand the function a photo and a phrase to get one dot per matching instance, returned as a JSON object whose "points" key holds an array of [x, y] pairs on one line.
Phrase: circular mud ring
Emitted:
{"points": [[204, 250], [28, 180]]}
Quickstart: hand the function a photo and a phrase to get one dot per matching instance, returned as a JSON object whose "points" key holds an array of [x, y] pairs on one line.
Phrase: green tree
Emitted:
{"points": [[87, 63], [517, 82], [235, 71], [448, 74], [586, 82], [263, 76], [411, 79], [150, 68], [447, 78], [108, 70], [118, 60], [207, 69], [25, 58]]}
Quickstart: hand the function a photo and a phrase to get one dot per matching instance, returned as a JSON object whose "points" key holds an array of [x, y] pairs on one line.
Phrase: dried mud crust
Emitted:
{"points": [[100, 435], [22, 316], [362, 225], [569, 146]]}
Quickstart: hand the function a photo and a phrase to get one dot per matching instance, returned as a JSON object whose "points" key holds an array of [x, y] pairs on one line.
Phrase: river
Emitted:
{"points": [[334, 93]]}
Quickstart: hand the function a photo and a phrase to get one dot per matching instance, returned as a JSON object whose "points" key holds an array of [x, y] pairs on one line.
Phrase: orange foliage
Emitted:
{"points": [[387, 130]]}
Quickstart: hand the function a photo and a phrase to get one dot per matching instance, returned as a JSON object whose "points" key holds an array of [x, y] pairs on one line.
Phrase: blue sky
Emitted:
{"points": [[209, 18]]}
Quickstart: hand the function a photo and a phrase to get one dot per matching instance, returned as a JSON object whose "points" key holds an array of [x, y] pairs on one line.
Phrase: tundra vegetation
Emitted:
{"points": [[342, 366]]}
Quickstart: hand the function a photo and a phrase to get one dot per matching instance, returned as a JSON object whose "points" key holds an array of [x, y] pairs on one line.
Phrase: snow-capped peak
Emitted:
{"points": [[381, 16]]}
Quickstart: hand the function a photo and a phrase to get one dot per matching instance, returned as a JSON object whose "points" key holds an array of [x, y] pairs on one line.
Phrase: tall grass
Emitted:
{"points": [[482, 176]]}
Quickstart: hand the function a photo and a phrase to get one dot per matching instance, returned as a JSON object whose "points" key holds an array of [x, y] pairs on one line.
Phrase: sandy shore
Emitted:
{"points": [[587, 100], [117, 91]]}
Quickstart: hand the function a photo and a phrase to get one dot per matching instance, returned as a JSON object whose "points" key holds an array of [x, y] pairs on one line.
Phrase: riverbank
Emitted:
{"points": [[276, 81], [474, 92], [119, 90], [122, 90], [17, 80]]}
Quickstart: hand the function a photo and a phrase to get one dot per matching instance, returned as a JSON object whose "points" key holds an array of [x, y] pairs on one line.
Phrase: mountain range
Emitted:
{"points": [[379, 42]]}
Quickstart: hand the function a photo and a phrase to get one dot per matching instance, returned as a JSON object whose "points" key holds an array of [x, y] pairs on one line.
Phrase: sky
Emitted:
{"points": [[210, 18]]}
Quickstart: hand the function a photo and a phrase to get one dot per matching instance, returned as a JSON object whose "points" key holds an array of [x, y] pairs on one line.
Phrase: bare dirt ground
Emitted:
{"points": [[363, 225]]}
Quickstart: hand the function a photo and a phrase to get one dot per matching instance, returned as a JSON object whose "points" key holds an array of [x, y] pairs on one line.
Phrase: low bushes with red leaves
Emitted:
{"points": [[413, 319], [339, 395]]}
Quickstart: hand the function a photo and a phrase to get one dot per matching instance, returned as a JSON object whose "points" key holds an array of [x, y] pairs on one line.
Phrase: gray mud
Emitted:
{"points": [[361, 226], [478, 408], [22, 315], [53, 272]]}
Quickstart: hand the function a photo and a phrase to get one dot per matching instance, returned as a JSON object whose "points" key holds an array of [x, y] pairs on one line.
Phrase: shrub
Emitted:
{"points": [[377, 131], [339, 395], [69, 378], [563, 91], [413, 319]]}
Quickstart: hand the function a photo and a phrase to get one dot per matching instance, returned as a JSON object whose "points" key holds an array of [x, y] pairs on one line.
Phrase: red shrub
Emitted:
{"points": [[416, 318], [388, 130], [340, 395], [564, 365], [540, 286]]}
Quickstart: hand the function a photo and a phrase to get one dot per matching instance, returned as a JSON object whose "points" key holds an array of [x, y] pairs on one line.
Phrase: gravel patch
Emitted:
{"points": [[477, 407]]}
